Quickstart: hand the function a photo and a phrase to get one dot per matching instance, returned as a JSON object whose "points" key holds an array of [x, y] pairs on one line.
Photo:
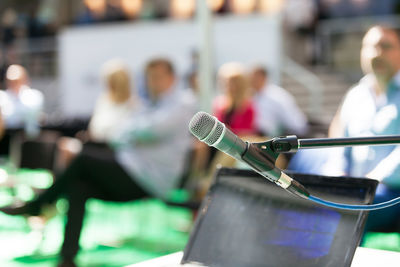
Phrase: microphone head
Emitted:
{"points": [[206, 127]]}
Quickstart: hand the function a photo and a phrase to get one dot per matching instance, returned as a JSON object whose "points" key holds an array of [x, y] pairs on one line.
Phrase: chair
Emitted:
{"points": [[34, 153], [180, 197]]}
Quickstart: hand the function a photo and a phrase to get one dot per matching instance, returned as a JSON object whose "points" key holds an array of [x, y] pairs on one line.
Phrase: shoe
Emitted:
{"points": [[25, 209], [67, 263]]}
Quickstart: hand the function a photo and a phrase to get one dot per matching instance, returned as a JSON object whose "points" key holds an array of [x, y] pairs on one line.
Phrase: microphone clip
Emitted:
{"points": [[282, 144], [285, 144]]}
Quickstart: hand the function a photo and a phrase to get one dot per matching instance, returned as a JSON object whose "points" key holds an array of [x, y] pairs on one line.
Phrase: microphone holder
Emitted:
{"points": [[289, 144]]}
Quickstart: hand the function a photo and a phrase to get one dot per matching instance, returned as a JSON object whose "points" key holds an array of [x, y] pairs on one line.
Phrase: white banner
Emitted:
{"points": [[83, 50]]}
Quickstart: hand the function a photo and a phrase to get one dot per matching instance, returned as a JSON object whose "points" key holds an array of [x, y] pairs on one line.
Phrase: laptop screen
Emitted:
{"points": [[247, 221]]}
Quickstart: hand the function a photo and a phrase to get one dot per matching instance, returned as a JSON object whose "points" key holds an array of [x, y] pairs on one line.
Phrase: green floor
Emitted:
{"points": [[114, 234]]}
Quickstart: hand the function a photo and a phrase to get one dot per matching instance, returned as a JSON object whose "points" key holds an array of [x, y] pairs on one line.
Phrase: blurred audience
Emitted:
{"points": [[234, 106], [21, 106], [146, 158], [276, 109]]}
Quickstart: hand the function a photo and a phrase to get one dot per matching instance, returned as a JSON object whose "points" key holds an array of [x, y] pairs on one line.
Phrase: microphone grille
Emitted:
{"points": [[211, 139], [201, 124]]}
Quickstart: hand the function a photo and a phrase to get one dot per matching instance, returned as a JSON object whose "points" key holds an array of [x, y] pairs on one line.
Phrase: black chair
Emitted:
{"points": [[34, 153], [185, 177]]}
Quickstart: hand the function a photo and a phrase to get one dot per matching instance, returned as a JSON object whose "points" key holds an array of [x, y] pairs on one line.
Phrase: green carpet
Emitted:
{"points": [[385, 241], [114, 234]]}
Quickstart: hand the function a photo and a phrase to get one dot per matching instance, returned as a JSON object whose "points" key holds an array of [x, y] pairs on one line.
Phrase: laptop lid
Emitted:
{"points": [[246, 220]]}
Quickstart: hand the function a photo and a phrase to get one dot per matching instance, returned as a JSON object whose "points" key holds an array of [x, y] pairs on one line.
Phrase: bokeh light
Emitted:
{"points": [[96, 6], [131, 8], [271, 6], [183, 9], [243, 6], [215, 5]]}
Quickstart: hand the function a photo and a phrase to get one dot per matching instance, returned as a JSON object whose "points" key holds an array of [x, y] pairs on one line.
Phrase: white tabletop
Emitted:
{"points": [[364, 257]]}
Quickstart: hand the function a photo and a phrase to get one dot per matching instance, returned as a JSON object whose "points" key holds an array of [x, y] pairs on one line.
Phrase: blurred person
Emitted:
{"points": [[276, 109], [146, 158], [191, 77], [21, 106], [192, 81], [234, 106], [300, 21], [370, 108], [3, 70], [235, 109], [117, 103], [1, 126], [113, 107], [9, 26]]}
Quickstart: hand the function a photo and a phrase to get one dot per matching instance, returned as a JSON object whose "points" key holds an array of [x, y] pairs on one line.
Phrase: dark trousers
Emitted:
{"points": [[92, 174]]}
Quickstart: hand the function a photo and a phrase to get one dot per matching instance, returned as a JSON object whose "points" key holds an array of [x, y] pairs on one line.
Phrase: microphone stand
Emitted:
{"points": [[291, 143], [270, 149]]}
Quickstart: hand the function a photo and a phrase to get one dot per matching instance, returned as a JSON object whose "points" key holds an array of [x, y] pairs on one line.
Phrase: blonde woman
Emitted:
{"points": [[114, 106]]}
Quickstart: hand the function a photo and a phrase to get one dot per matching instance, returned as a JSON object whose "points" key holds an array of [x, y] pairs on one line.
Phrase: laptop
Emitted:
{"points": [[245, 220]]}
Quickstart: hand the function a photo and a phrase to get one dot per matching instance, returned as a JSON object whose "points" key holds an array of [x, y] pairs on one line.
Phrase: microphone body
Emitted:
{"points": [[214, 133]]}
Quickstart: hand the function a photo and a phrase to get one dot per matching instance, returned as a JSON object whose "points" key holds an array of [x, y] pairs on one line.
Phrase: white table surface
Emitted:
{"points": [[364, 257]]}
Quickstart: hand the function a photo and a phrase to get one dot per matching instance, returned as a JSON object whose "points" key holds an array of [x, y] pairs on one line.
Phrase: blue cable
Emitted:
{"points": [[355, 207]]}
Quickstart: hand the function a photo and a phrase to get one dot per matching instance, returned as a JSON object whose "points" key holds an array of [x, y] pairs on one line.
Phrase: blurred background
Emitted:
{"points": [[310, 47]]}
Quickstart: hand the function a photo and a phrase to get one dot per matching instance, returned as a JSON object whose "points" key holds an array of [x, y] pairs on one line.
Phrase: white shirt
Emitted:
{"points": [[363, 113], [107, 116], [22, 110], [277, 112], [154, 144]]}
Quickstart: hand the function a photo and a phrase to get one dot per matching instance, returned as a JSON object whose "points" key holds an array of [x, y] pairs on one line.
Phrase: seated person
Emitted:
{"points": [[146, 158], [276, 109], [113, 107], [21, 106], [234, 106], [370, 108]]}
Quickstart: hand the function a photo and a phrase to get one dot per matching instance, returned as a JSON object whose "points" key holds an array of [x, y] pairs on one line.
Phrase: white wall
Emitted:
{"points": [[82, 51]]}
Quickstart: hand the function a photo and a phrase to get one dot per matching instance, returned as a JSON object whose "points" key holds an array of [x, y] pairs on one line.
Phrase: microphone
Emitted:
{"points": [[211, 131]]}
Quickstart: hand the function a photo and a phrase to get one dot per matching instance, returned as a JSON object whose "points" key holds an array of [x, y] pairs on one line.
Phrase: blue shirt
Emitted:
{"points": [[364, 113]]}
